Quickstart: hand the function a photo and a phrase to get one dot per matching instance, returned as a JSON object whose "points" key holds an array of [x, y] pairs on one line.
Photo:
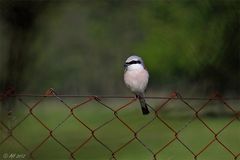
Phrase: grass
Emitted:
{"points": [[115, 134]]}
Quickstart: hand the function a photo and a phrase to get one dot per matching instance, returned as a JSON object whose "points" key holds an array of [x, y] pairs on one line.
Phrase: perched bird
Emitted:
{"points": [[136, 79]]}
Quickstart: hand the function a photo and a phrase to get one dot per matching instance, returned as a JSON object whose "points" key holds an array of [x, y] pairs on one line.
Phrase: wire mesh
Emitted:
{"points": [[159, 135]]}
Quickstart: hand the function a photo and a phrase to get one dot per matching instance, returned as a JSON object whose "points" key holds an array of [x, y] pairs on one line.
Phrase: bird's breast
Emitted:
{"points": [[136, 80]]}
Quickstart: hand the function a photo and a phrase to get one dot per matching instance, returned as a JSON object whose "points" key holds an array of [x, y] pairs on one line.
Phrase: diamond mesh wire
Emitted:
{"points": [[117, 117]]}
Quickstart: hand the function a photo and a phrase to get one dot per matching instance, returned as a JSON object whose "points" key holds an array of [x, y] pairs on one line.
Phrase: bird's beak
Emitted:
{"points": [[125, 65]]}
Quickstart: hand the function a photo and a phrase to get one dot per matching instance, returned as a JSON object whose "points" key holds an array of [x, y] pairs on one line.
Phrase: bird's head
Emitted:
{"points": [[133, 62]]}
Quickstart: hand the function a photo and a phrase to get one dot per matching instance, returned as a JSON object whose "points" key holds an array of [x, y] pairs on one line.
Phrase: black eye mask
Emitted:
{"points": [[133, 62]]}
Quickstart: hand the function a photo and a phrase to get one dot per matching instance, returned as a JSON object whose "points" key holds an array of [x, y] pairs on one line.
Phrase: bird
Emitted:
{"points": [[136, 79]]}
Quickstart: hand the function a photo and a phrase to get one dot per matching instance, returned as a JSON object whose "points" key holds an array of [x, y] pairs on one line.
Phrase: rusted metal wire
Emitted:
{"points": [[134, 133]]}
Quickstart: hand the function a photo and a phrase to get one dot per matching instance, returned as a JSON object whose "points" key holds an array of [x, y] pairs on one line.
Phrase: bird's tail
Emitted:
{"points": [[143, 105]]}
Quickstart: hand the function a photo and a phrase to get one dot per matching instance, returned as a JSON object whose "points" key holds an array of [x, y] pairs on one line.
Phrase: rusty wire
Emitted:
{"points": [[115, 111]]}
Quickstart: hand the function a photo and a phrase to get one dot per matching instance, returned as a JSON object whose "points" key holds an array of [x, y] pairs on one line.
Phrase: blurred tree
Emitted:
{"points": [[19, 17], [223, 73]]}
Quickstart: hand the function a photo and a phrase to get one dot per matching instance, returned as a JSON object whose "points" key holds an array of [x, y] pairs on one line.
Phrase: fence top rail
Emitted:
{"points": [[124, 97], [174, 95]]}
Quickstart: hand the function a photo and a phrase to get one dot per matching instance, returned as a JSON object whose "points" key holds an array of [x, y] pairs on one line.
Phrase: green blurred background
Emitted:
{"points": [[80, 46]]}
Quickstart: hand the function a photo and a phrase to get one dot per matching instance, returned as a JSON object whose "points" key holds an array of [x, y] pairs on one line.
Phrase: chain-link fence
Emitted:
{"points": [[53, 126]]}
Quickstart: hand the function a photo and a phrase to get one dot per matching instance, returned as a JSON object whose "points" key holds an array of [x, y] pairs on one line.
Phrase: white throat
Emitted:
{"points": [[135, 67]]}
